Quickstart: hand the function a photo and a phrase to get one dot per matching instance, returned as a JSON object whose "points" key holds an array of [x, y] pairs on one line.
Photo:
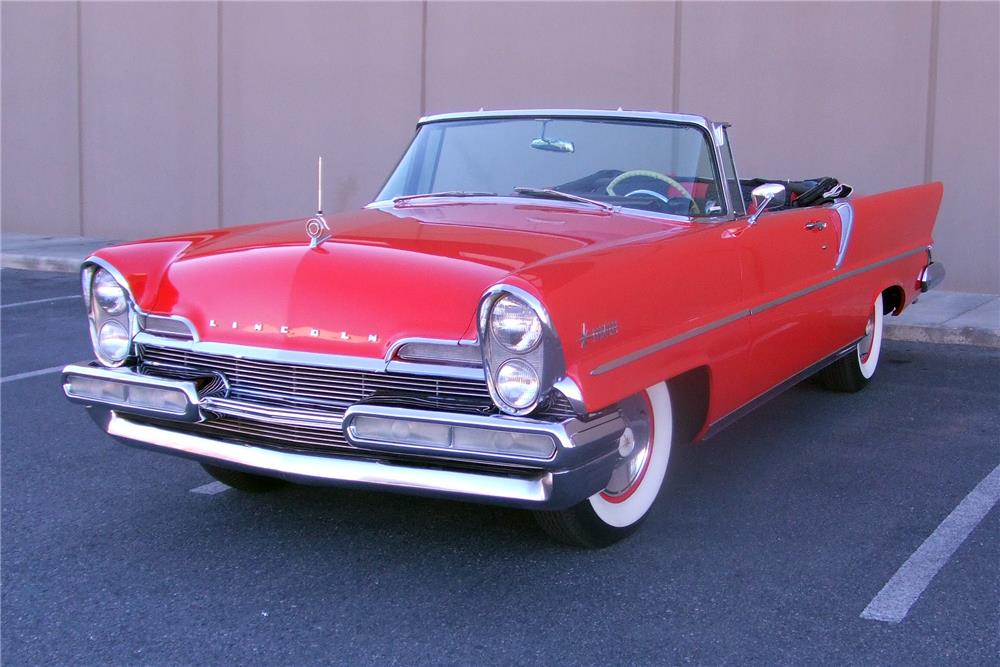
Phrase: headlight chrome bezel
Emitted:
{"points": [[544, 356], [98, 316]]}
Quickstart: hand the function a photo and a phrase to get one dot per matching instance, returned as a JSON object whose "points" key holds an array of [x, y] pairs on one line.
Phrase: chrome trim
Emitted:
{"points": [[766, 193], [550, 348], [669, 342], [776, 390], [386, 204], [394, 353], [533, 491], [718, 133], [271, 414], [742, 211], [132, 310], [845, 210], [557, 432], [689, 119], [569, 436], [571, 390], [931, 276], [266, 353], [130, 377], [144, 321], [436, 370], [705, 328], [573, 438], [710, 127], [115, 273], [335, 361]]}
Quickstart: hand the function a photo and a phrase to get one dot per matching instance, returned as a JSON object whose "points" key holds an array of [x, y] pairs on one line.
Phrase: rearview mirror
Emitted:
{"points": [[556, 145], [769, 195]]}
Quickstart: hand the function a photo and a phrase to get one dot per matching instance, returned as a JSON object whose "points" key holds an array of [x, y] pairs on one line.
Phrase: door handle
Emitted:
{"points": [[816, 225]]}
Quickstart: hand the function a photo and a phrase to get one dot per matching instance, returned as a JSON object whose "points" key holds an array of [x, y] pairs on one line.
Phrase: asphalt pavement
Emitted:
{"points": [[765, 547]]}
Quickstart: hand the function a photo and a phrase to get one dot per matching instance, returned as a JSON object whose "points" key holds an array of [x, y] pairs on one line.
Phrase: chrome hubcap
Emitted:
{"points": [[634, 447], [865, 345]]}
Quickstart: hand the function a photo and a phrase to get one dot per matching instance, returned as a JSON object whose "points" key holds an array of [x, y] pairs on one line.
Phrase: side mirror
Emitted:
{"points": [[769, 195]]}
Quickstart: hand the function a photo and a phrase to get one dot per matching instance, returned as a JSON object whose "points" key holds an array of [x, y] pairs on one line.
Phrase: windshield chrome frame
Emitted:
{"points": [[714, 131]]}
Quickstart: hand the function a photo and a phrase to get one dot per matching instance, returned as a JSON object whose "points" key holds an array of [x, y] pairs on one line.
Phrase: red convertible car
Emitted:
{"points": [[537, 307]]}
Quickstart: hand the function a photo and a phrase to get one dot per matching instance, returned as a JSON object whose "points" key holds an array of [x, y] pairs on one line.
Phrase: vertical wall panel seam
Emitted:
{"points": [[218, 109], [79, 110], [932, 90], [423, 57], [676, 96]]}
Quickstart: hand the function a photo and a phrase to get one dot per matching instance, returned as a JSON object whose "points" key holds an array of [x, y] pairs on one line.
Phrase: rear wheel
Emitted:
{"points": [[853, 372], [243, 481], [616, 512]]}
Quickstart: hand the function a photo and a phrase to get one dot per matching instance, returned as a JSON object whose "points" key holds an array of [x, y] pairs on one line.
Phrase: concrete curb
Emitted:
{"points": [[36, 263], [916, 333]]}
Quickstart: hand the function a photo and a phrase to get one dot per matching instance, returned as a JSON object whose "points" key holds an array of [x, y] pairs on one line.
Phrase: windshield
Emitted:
{"points": [[659, 167]]}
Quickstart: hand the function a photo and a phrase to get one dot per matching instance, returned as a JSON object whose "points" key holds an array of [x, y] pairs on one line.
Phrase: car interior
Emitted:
{"points": [[692, 197]]}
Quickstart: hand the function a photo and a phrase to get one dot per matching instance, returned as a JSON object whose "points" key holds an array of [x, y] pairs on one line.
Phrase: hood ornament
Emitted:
{"points": [[316, 228]]}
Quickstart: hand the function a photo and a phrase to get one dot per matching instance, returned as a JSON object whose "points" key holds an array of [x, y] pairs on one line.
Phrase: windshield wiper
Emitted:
{"points": [[557, 194], [446, 193]]}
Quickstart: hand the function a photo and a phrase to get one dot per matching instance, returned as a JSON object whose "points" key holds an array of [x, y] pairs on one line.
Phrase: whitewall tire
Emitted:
{"points": [[644, 450], [853, 372]]}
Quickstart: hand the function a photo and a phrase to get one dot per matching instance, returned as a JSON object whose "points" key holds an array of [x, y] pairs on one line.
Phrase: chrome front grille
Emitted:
{"points": [[312, 389], [310, 386]]}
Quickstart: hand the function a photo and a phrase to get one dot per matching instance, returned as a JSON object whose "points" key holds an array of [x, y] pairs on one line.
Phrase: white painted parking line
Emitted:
{"points": [[31, 374], [31, 303], [211, 488], [893, 602]]}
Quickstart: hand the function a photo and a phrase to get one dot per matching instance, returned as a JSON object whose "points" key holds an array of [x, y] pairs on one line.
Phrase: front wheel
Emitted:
{"points": [[853, 372], [644, 449]]}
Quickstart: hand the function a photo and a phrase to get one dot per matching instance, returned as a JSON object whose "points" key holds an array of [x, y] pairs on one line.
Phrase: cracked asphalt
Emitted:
{"points": [[764, 548]]}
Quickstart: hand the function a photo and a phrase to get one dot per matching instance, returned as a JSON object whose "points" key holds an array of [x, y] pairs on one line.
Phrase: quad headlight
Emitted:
{"points": [[517, 383], [515, 325], [521, 353], [108, 294], [111, 315]]}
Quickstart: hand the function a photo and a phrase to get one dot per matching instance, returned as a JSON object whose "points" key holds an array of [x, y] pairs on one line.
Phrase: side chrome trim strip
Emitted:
{"points": [[662, 345], [776, 390], [705, 328]]}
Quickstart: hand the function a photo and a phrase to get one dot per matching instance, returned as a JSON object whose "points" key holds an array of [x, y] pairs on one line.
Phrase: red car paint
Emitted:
{"points": [[419, 269]]}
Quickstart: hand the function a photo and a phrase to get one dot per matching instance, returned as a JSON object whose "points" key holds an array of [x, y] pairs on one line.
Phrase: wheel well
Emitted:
{"points": [[689, 402], [893, 300]]}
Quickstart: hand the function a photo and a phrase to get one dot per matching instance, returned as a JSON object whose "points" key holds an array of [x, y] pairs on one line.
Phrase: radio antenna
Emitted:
{"points": [[319, 187], [317, 228]]}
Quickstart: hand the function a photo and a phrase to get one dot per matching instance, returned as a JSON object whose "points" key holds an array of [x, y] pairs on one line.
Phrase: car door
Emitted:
{"points": [[786, 256]]}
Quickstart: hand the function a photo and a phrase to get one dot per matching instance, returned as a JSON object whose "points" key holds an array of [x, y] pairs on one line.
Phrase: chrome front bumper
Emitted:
{"points": [[585, 451]]}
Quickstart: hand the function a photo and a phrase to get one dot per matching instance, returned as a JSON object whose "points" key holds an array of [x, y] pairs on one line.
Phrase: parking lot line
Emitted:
{"points": [[30, 303], [211, 488], [31, 374], [893, 602]]}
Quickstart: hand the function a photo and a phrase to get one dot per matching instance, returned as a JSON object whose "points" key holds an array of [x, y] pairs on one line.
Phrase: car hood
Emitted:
{"points": [[385, 274]]}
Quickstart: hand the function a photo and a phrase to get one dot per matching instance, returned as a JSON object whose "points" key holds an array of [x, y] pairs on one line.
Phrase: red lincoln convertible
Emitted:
{"points": [[537, 307]]}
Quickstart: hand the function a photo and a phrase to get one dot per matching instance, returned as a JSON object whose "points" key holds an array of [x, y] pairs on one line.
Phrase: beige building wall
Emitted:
{"points": [[124, 120]]}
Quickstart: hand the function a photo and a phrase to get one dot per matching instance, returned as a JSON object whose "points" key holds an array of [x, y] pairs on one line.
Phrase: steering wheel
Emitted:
{"points": [[652, 174], [651, 193]]}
